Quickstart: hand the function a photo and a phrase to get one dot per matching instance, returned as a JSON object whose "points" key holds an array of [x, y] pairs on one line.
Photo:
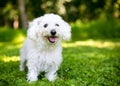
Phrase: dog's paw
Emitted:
{"points": [[31, 78], [51, 78], [28, 80]]}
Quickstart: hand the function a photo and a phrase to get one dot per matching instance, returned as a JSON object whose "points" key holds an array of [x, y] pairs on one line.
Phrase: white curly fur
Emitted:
{"points": [[42, 50]]}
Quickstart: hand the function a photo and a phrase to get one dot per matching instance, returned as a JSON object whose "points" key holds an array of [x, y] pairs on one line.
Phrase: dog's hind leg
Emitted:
{"points": [[22, 60]]}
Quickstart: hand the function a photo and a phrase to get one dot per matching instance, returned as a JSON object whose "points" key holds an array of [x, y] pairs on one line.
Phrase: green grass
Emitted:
{"points": [[92, 58]]}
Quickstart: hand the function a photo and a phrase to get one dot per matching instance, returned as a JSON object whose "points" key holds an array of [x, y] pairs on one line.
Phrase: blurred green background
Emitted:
{"points": [[16, 13]]}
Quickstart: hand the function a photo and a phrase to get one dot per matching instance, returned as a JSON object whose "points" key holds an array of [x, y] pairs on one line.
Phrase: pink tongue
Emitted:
{"points": [[52, 39]]}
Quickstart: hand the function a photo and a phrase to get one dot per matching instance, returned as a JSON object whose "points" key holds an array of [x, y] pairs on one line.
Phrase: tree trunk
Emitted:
{"points": [[23, 14]]}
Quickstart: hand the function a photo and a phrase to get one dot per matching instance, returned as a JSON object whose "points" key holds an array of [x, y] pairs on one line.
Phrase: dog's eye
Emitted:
{"points": [[45, 25], [57, 25]]}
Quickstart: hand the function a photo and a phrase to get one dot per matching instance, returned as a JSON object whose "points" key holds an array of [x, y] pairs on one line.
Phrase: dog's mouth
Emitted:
{"points": [[52, 39]]}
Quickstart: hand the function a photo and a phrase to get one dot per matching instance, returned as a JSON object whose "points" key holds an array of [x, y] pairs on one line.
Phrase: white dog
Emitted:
{"points": [[42, 49]]}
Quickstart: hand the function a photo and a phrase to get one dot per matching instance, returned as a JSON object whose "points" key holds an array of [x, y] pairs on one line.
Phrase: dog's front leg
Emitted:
{"points": [[32, 73], [51, 75]]}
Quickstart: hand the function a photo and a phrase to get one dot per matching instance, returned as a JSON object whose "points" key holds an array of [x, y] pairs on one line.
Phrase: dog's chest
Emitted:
{"points": [[47, 61]]}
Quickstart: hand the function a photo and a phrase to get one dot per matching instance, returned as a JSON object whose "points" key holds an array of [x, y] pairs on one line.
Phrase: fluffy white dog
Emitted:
{"points": [[42, 49]]}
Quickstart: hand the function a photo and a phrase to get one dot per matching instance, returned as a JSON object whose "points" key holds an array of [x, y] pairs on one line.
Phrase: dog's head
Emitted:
{"points": [[49, 28]]}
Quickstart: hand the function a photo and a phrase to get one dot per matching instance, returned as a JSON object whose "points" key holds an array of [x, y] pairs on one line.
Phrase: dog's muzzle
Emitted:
{"points": [[52, 38]]}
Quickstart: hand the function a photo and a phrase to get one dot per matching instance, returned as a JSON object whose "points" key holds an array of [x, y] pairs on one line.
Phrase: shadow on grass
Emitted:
{"points": [[98, 29], [9, 35]]}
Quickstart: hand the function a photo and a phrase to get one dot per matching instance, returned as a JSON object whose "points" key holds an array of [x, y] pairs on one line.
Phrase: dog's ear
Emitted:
{"points": [[33, 29], [66, 31]]}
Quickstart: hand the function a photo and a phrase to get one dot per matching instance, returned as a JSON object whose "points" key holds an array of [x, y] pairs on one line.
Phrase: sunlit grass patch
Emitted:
{"points": [[92, 43], [19, 38], [10, 59]]}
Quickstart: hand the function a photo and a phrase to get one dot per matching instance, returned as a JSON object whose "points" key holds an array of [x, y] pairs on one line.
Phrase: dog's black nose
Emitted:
{"points": [[53, 32]]}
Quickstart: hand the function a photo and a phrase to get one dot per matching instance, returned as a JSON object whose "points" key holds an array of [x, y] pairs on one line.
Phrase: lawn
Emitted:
{"points": [[91, 58]]}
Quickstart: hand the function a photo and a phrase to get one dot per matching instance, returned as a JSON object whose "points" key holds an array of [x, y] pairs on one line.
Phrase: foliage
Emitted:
{"points": [[94, 61], [70, 10]]}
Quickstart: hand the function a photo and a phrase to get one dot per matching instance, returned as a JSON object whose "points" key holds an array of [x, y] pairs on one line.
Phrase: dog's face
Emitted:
{"points": [[49, 28]]}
